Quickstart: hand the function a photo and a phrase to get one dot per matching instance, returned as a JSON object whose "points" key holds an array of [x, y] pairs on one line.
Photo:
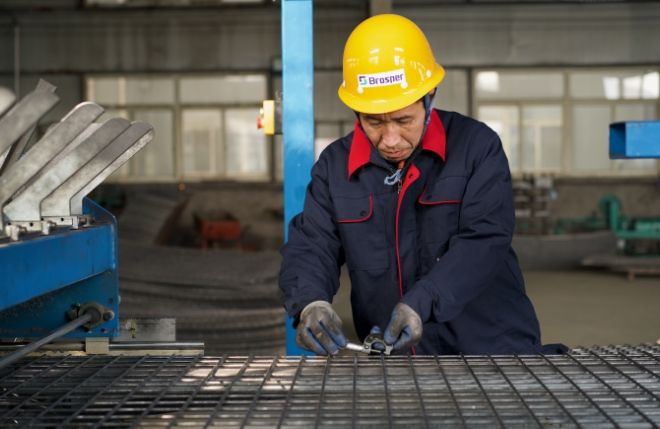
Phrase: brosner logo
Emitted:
{"points": [[394, 77]]}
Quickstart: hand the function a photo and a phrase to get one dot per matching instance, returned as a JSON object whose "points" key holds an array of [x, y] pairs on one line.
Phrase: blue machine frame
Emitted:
{"points": [[635, 139], [297, 117], [45, 276]]}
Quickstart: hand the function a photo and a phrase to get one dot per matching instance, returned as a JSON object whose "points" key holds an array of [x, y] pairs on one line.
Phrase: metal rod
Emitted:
{"points": [[29, 348], [483, 391], [191, 397], [147, 410], [227, 390], [579, 389], [70, 396], [614, 391], [319, 406], [12, 393], [513, 388], [35, 398], [289, 394], [354, 405], [545, 387], [356, 348], [93, 398], [451, 393], [387, 395], [255, 399], [419, 393]]}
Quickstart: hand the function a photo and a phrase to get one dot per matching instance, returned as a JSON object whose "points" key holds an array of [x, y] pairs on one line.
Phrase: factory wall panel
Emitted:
{"points": [[561, 34], [144, 40], [249, 39]]}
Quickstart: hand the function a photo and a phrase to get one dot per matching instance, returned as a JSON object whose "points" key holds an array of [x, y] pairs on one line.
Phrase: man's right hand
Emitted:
{"points": [[320, 330]]}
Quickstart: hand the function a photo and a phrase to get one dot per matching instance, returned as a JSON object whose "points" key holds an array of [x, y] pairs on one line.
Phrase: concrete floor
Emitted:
{"points": [[577, 308]]}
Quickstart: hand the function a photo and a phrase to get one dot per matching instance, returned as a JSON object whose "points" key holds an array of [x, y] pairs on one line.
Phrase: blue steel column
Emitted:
{"points": [[297, 117]]}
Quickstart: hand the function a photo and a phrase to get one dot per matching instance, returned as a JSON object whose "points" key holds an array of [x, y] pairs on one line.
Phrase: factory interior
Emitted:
{"points": [[154, 152]]}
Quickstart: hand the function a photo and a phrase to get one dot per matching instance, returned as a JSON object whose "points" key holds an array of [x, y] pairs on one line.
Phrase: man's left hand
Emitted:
{"points": [[405, 327]]}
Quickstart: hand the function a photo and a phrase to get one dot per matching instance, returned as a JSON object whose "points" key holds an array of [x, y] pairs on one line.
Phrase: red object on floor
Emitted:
{"points": [[221, 231]]}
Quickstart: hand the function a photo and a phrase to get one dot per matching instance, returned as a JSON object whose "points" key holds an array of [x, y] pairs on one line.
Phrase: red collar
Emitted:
{"points": [[434, 140]]}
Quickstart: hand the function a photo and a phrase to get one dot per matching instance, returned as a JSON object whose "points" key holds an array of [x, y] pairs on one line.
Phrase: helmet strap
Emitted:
{"points": [[428, 101]]}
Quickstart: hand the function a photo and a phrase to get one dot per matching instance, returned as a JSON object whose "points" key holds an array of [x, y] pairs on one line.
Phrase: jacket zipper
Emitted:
{"points": [[399, 184], [411, 175]]}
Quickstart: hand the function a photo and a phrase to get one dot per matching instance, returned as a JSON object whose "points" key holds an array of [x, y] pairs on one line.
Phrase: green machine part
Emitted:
{"points": [[610, 207]]}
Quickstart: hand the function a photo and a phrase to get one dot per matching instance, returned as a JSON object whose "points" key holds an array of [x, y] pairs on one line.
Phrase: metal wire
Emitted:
{"points": [[611, 387], [29, 348]]}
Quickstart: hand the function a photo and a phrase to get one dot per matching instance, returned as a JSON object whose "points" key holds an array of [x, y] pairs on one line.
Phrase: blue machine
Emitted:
{"points": [[58, 249], [632, 140], [45, 277], [635, 139]]}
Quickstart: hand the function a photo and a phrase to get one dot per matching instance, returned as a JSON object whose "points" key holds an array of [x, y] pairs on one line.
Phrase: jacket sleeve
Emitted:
{"points": [[312, 256], [476, 252]]}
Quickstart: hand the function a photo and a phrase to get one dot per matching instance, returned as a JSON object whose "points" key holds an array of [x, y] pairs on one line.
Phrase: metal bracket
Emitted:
{"points": [[16, 150], [24, 115], [26, 206], [19, 174], [98, 312], [381, 347], [97, 345], [67, 199]]}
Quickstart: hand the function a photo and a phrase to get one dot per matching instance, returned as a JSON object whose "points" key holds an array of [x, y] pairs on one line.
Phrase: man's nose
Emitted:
{"points": [[391, 135]]}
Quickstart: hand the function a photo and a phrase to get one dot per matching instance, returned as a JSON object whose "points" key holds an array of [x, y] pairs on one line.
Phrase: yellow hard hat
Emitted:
{"points": [[388, 65]]}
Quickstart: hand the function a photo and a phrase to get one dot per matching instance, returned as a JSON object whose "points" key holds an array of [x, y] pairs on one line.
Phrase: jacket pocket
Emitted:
{"points": [[351, 210], [439, 206], [361, 228]]}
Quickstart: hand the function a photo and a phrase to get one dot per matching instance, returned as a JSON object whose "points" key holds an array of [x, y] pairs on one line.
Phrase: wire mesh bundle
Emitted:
{"points": [[228, 299]]}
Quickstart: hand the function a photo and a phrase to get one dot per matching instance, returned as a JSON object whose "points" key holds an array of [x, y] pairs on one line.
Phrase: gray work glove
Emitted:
{"points": [[404, 329], [319, 329]]}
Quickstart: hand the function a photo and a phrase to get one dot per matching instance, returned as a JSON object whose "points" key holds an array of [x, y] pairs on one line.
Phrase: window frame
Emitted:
{"points": [[567, 102], [177, 108]]}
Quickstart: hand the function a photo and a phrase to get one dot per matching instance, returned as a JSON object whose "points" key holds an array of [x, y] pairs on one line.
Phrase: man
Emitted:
{"points": [[418, 203]]}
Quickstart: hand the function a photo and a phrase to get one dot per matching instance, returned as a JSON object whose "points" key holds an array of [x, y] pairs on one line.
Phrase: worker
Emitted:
{"points": [[417, 202]]}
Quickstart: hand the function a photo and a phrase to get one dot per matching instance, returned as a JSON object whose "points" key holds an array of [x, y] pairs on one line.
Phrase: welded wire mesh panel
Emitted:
{"points": [[599, 388]]}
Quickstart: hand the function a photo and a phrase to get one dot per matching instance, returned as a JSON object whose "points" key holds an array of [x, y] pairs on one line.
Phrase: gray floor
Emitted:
{"points": [[577, 308]]}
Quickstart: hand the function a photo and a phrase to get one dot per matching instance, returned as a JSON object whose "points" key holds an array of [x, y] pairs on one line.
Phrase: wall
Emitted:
{"points": [[241, 39], [526, 34], [640, 197]]}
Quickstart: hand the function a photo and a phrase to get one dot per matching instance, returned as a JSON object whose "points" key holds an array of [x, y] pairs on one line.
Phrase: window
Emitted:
{"points": [[504, 120], [329, 131], [204, 125], [495, 85], [202, 142], [558, 121]]}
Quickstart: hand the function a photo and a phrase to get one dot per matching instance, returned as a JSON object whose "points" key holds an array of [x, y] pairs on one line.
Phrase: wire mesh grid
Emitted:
{"points": [[597, 387]]}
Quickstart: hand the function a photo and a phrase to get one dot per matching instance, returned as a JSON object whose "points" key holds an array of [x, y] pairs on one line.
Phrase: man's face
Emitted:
{"points": [[395, 134]]}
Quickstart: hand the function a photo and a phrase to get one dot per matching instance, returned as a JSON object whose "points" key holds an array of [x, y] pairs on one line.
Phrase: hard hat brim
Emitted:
{"points": [[378, 106]]}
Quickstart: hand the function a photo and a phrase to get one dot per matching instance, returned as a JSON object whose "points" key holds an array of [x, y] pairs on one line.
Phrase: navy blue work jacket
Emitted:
{"points": [[440, 240]]}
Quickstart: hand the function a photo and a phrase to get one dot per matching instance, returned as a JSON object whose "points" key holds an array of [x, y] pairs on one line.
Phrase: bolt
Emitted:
{"points": [[108, 315]]}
